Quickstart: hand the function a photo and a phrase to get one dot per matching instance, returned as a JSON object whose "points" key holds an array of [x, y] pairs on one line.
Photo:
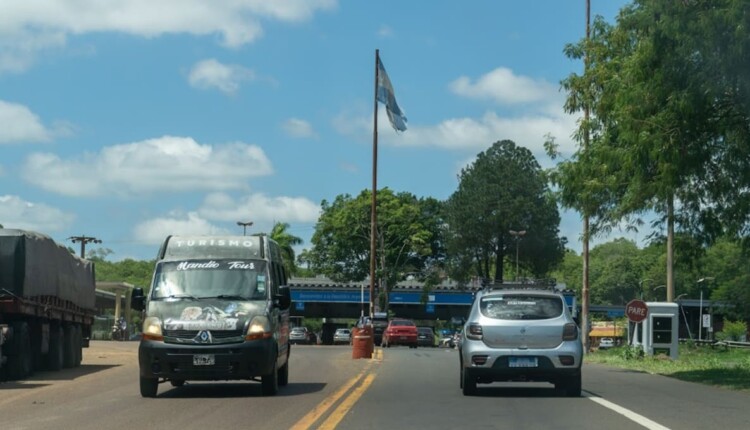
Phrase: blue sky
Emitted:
{"points": [[133, 122]]}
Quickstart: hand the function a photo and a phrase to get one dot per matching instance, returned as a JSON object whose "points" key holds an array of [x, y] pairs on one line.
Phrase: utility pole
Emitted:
{"points": [[586, 204], [84, 240]]}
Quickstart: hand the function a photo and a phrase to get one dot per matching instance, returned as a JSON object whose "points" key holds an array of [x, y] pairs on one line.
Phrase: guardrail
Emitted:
{"points": [[730, 344], [717, 343]]}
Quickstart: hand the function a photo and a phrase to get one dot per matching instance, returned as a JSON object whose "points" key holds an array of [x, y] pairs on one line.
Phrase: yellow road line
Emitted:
{"points": [[322, 407], [335, 418]]}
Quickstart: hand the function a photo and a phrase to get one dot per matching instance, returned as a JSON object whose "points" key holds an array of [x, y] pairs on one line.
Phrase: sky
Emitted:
{"points": [[128, 123]]}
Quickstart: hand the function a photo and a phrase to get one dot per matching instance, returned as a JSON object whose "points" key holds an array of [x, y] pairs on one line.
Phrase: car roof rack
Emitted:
{"points": [[526, 284]]}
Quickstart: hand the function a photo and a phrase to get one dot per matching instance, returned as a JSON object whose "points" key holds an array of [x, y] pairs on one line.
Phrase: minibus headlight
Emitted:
{"points": [[259, 328], [152, 329]]}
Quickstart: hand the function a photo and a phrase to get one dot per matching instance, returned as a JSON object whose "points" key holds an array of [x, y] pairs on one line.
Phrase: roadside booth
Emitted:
{"points": [[655, 327]]}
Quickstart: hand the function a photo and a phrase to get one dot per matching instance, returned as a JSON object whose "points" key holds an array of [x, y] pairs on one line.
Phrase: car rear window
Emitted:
{"points": [[402, 323], [521, 307]]}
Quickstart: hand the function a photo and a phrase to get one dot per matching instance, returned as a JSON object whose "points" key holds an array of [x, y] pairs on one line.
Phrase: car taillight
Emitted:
{"points": [[570, 331], [474, 332]]}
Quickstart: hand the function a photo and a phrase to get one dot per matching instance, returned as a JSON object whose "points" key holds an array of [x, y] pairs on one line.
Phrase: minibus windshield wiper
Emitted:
{"points": [[177, 296], [229, 297]]}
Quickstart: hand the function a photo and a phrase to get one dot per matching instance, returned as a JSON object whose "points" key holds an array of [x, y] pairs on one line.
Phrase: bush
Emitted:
{"points": [[734, 331], [632, 353]]}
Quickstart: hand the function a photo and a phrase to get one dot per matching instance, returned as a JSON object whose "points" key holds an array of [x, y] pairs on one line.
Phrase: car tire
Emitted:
{"points": [[468, 382], [570, 385], [270, 382], [573, 388], [149, 386], [284, 374]]}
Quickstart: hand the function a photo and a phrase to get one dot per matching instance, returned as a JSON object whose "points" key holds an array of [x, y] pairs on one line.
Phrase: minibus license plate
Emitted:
{"points": [[204, 360], [522, 362]]}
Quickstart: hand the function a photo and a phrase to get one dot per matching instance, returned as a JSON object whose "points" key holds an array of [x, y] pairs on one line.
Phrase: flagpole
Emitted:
{"points": [[373, 211]]}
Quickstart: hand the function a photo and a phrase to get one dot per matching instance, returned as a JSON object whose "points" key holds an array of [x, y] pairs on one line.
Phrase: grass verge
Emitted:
{"points": [[728, 368]]}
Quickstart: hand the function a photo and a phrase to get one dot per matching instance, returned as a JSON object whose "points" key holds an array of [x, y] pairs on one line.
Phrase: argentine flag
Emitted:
{"points": [[386, 96]]}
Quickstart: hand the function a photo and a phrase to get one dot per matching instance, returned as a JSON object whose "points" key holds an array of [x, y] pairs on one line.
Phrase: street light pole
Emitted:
{"points": [[640, 285], [84, 240], [517, 235], [660, 286], [244, 226]]}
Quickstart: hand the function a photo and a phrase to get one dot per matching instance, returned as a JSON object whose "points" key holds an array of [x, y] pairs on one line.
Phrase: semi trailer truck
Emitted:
{"points": [[47, 304]]}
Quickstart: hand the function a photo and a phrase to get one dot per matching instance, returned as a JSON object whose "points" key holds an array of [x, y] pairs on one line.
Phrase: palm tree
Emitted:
{"points": [[286, 241]]}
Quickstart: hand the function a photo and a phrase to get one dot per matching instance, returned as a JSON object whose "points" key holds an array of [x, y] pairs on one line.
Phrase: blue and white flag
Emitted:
{"points": [[386, 96]]}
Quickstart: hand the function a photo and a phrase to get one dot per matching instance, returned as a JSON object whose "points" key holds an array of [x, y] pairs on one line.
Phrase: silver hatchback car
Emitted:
{"points": [[521, 334]]}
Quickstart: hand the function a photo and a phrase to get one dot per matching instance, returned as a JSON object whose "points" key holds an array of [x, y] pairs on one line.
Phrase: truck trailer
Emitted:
{"points": [[47, 304]]}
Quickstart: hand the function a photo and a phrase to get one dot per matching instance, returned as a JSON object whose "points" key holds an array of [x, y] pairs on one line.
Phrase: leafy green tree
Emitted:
{"points": [[303, 265], [615, 272], [135, 272], [727, 263], [287, 242], [569, 271], [503, 190], [407, 239], [669, 122]]}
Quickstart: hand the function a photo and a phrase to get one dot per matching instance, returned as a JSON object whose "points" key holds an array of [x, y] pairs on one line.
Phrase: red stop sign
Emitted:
{"points": [[636, 310]]}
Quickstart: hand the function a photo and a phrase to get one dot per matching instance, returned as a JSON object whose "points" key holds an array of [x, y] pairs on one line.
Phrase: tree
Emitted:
{"points": [[616, 276], [286, 242], [135, 272], [669, 91], [569, 271], [503, 190], [407, 240], [727, 262]]}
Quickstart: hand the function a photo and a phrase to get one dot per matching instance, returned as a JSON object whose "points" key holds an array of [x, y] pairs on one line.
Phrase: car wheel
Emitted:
{"points": [[270, 382], [570, 385], [284, 374], [573, 388], [149, 386], [468, 382]]}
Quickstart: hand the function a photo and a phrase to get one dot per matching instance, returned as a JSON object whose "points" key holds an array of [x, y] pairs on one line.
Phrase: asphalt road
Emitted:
{"points": [[400, 388]]}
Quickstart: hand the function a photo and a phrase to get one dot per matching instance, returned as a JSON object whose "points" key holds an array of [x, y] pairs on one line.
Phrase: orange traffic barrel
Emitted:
{"points": [[362, 342]]}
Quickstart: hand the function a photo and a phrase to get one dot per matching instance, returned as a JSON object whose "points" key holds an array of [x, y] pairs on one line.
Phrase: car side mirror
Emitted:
{"points": [[138, 300], [284, 298]]}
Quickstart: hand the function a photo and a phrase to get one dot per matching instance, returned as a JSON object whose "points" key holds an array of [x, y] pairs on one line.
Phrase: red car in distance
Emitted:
{"points": [[400, 332]]}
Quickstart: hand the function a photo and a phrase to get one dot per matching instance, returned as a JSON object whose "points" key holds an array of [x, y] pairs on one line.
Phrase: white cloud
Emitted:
{"points": [[210, 73], [163, 164], [385, 32], [503, 86], [259, 207], [21, 125], [471, 134], [154, 231], [28, 26], [299, 128], [21, 214]]}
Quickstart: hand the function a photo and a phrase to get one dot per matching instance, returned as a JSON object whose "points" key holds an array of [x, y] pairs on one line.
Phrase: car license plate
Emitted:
{"points": [[522, 362], [204, 360], [402, 337]]}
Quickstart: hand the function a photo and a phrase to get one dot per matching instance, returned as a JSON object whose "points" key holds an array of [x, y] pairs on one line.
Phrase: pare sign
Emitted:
{"points": [[636, 310]]}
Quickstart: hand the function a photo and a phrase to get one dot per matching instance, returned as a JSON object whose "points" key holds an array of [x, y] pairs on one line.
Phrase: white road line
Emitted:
{"points": [[627, 413]]}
